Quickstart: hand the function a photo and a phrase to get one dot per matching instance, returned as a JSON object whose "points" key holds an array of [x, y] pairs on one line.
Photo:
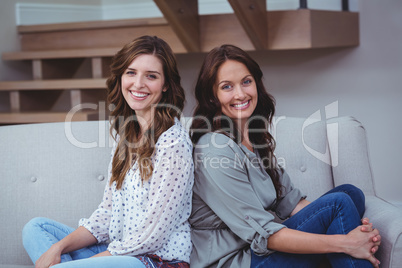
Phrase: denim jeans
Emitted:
{"points": [[339, 211], [40, 234]]}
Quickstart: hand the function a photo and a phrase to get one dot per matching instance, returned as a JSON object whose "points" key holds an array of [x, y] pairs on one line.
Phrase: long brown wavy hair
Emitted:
{"points": [[132, 145], [208, 112]]}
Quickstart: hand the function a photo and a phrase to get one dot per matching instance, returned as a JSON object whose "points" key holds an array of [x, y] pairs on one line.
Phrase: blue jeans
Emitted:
{"points": [[39, 234], [337, 212]]}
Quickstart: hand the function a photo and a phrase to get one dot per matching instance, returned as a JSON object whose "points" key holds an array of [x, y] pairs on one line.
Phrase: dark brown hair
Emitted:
{"points": [[208, 112], [123, 118]]}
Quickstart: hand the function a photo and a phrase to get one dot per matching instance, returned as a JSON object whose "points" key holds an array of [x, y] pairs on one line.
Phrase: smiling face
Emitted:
{"points": [[236, 90], [142, 84]]}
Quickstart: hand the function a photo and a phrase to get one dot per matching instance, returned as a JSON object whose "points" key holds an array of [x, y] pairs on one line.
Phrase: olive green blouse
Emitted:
{"points": [[232, 196]]}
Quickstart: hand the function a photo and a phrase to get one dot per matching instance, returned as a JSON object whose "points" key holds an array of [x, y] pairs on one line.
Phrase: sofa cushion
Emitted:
{"points": [[297, 140], [48, 172]]}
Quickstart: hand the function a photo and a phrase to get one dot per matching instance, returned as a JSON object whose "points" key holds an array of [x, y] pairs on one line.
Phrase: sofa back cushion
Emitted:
{"points": [[303, 150], [49, 170], [59, 170]]}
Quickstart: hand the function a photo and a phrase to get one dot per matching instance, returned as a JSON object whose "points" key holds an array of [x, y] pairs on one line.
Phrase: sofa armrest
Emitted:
{"points": [[387, 218], [349, 150]]}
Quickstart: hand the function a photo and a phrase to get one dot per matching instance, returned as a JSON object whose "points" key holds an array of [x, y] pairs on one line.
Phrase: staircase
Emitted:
{"points": [[70, 61], [76, 75], [70, 64]]}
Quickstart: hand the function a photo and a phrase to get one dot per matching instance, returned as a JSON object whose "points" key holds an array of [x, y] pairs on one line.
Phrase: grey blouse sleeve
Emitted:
{"points": [[224, 186], [290, 197]]}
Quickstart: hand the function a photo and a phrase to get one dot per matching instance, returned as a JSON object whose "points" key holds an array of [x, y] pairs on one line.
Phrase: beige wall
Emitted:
{"points": [[366, 81]]}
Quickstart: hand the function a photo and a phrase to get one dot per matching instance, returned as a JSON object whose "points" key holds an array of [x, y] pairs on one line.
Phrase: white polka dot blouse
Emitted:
{"points": [[150, 217]]}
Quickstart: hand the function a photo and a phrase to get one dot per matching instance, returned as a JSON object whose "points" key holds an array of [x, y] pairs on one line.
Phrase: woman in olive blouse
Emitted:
{"points": [[237, 180]]}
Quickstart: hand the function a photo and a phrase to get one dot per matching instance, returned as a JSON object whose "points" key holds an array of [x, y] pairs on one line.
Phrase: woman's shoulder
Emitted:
{"points": [[176, 134], [214, 137], [216, 142]]}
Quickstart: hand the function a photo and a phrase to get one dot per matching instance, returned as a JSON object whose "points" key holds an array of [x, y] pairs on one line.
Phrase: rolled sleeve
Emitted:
{"points": [[290, 198], [260, 242], [223, 183]]}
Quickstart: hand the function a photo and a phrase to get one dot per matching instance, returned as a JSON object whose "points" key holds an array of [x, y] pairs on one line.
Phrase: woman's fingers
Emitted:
{"points": [[374, 261], [367, 227], [377, 239], [365, 221]]}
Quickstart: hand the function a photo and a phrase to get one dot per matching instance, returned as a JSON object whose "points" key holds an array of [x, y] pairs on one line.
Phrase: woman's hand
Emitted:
{"points": [[78, 239], [360, 244], [368, 227], [51, 257]]}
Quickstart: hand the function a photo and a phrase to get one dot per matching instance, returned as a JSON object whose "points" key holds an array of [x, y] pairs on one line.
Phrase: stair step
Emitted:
{"points": [[109, 33], [43, 117], [61, 54], [58, 84]]}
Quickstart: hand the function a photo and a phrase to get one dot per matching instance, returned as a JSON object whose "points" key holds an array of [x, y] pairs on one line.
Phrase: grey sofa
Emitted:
{"points": [[58, 170]]}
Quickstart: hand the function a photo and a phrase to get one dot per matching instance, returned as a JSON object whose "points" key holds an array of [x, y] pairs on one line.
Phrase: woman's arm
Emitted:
{"points": [[366, 226], [356, 243], [78, 239], [375, 238]]}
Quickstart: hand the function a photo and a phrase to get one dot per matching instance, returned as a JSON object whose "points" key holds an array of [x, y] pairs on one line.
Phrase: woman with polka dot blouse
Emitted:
{"points": [[142, 220]]}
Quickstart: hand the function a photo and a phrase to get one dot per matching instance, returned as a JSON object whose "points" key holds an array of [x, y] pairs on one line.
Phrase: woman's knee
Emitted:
{"points": [[340, 198], [29, 230], [344, 203], [351, 190], [339, 201], [357, 196], [33, 224], [32, 227]]}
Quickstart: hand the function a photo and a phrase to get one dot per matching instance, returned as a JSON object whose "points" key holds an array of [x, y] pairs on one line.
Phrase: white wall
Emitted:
{"points": [[365, 80]]}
